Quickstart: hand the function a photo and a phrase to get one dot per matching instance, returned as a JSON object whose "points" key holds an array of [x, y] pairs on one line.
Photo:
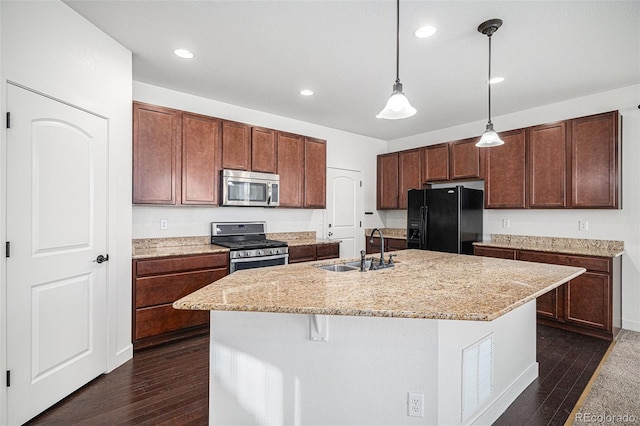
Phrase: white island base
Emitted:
{"points": [[266, 369]]}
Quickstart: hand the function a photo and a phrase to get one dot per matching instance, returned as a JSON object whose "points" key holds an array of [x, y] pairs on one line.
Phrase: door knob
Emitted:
{"points": [[330, 234], [102, 258]]}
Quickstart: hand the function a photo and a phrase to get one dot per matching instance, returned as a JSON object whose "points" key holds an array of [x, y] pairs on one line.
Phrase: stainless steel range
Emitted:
{"points": [[248, 244]]}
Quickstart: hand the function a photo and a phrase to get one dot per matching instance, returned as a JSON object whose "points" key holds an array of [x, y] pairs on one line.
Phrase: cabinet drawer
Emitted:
{"points": [[182, 263], [327, 251], [589, 263], [302, 253], [164, 319], [500, 253], [157, 290]]}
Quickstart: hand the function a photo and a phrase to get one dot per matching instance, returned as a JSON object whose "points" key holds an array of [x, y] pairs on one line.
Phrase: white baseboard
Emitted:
{"points": [[120, 358], [502, 402]]}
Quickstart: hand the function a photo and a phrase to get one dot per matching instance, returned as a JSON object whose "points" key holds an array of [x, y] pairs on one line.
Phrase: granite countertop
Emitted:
{"points": [[149, 248], [601, 248], [423, 284]]}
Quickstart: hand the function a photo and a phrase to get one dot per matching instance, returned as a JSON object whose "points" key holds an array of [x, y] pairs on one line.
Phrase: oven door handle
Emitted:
{"points": [[254, 259]]}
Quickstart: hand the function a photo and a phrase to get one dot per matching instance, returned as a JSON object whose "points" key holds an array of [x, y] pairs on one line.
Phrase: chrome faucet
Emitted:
{"points": [[381, 244]]}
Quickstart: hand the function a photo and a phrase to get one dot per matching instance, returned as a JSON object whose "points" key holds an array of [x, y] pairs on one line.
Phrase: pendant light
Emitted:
{"points": [[489, 137], [398, 105]]}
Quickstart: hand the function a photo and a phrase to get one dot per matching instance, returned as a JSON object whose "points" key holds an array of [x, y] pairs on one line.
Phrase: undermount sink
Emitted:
{"points": [[339, 268]]}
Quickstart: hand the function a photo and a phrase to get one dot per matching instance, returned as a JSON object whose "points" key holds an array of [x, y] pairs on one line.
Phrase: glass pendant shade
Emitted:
{"points": [[489, 138], [397, 106]]}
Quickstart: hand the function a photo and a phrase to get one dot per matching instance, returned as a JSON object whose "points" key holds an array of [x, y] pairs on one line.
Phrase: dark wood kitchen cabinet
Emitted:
{"points": [[595, 152], [291, 169], [435, 162], [159, 282], [156, 154], [465, 159], [390, 244], [547, 165], [589, 304], [236, 145], [409, 174], [315, 173], [505, 172], [264, 145], [200, 159], [387, 181], [311, 252]]}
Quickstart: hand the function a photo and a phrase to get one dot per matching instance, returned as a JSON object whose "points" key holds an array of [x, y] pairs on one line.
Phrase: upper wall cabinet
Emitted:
{"points": [[435, 162], [595, 178], [547, 165], [291, 169], [200, 159], [156, 154], [465, 159], [315, 173], [387, 181], [505, 176], [263, 150], [236, 146], [409, 174]]}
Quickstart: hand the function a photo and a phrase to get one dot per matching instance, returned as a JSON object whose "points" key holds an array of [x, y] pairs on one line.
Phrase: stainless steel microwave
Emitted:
{"points": [[241, 188]]}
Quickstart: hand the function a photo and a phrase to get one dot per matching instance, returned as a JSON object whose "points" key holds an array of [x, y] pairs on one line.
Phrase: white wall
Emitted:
{"points": [[49, 48], [603, 224], [344, 150]]}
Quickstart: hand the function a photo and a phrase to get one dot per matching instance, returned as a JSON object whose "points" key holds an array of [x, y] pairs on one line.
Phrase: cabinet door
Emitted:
{"points": [[505, 180], [200, 159], [550, 304], [595, 161], [497, 252], [465, 159], [547, 165], [409, 174], [587, 300], [435, 162], [156, 154], [236, 146], [291, 169], [315, 173], [304, 253], [374, 247], [393, 244], [328, 251], [263, 150], [387, 181]]}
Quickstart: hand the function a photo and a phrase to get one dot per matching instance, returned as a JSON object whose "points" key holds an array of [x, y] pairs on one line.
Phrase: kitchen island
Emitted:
{"points": [[297, 344]]}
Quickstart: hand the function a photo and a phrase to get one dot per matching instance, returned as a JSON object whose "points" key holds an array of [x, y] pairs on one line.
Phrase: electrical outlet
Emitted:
{"points": [[506, 223], [583, 225], [164, 224], [415, 404]]}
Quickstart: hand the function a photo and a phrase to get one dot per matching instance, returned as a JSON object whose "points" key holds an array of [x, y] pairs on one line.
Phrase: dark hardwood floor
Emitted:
{"points": [[169, 385]]}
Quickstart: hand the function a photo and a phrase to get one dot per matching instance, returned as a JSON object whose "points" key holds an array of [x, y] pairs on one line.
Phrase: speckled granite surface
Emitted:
{"points": [[147, 248], [397, 233], [604, 248], [423, 284]]}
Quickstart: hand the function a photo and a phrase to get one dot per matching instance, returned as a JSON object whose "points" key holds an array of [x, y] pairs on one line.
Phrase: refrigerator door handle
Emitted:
{"points": [[424, 211]]}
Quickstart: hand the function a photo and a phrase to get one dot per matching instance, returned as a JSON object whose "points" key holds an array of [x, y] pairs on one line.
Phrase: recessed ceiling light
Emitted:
{"points": [[183, 53], [306, 92], [496, 80], [425, 32]]}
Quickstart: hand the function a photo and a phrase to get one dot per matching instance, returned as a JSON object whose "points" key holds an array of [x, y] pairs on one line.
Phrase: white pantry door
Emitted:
{"points": [[344, 211], [56, 226]]}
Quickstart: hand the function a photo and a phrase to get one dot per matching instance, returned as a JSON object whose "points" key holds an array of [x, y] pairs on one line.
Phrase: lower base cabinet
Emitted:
{"points": [[390, 244], [311, 252], [588, 304], [157, 283]]}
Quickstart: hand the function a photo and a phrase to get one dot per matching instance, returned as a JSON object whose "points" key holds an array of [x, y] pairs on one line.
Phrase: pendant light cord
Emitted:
{"points": [[489, 80], [397, 41]]}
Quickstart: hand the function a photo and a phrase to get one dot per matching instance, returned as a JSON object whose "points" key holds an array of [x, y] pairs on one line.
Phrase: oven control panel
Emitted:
{"points": [[235, 254]]}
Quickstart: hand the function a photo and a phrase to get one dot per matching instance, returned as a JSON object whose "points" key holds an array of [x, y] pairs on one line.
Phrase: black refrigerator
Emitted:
{"points": [[444, 219]]}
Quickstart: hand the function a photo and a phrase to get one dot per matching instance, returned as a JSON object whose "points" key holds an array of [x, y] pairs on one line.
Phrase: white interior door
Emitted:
{"points": [[344, 212], [56, 226]]}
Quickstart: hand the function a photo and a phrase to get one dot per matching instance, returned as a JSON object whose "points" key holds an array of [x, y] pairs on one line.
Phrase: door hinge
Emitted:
{"points": [[360, 224], [7, 249], [8, 378], [8, 120], [360, 184]]}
